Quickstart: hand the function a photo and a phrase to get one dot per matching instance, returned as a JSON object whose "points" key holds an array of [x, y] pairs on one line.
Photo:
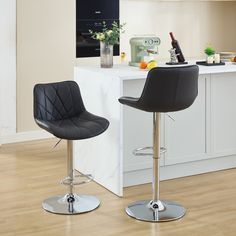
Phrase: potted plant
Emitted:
{"points": [[107, 37], [210, 52]]}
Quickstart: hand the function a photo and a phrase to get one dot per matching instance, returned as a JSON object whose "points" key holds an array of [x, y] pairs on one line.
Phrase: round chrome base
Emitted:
{"points": [[141, 210], [70, 204]]}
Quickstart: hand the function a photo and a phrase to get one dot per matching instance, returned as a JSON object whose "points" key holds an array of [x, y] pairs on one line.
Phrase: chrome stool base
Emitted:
{"points": [[70, 204], [141, 210]]}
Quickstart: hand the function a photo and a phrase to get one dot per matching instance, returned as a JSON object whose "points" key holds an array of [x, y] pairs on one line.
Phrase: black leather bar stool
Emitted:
{"points": [[166, 90], [59, 109]]}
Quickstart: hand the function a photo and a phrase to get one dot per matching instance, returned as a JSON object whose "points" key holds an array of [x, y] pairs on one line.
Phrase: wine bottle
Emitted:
{"points": [[175, 44]]}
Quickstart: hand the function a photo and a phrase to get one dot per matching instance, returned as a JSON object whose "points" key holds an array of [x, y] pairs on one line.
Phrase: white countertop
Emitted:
{"points": [[125, 72]]}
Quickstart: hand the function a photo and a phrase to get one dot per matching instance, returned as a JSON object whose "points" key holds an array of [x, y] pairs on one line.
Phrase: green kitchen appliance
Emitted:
{"points": [[143, 49]]}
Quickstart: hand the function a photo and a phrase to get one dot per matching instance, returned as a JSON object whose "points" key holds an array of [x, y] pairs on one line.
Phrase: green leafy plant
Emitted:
{"points": [[209, 51], [109, 35]]}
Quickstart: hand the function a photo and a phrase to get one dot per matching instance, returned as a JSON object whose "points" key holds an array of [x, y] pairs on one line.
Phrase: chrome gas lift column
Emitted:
{"points": [[155, 210], [71, 203]]}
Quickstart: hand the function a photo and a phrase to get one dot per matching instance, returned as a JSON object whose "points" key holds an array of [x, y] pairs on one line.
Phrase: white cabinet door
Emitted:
{"points": [[223, 108], [137, 130], [185, 138]]}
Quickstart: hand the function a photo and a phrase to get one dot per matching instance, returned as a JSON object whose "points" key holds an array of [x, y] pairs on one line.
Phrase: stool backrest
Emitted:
{"points": [[57, 101], [170, 89]]}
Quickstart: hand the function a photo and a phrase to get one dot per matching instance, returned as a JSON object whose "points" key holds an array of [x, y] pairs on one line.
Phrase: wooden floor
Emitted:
{"points": [[30, 172]]}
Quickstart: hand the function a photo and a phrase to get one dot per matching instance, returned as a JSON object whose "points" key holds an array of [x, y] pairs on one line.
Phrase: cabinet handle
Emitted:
{"points": [[96, 24]]}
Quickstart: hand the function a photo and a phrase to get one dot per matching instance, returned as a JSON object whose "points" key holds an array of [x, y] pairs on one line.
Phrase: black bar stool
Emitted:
{"points": [[167, 89], [59, 109]]}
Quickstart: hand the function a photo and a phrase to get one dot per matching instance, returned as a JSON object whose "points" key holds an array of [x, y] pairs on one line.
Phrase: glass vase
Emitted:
{"points": [[106, 55]]}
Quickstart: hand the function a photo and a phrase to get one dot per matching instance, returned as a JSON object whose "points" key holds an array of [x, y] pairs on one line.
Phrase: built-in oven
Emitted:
{"points": [[97, 9], [90, 15]]}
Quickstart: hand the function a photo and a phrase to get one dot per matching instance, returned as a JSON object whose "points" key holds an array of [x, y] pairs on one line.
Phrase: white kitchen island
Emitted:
{"points": [[201, 139]]}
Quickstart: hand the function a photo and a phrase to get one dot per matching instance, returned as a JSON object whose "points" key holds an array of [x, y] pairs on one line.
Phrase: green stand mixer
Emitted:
{"points": [[143, 49]]}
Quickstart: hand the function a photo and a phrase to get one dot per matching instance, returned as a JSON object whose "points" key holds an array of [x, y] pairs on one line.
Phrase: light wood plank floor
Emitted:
{"points": [[30, 172]]}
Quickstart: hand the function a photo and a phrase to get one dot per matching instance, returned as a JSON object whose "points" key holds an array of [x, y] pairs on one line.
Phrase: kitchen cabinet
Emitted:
{"points": [[223, 114], [201, 139], [185, 137]]}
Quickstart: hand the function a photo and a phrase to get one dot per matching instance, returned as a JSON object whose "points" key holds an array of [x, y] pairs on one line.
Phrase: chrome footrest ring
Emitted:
{"points": [[76, 180], [139, 151]]}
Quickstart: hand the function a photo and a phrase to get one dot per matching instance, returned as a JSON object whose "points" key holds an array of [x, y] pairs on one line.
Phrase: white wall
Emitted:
{"points": [[45, 50], [7, 67], [195, 24]]}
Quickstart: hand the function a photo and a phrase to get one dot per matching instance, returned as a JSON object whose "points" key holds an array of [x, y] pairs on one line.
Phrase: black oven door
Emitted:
{"points": [[85, 45], [97, 9]]}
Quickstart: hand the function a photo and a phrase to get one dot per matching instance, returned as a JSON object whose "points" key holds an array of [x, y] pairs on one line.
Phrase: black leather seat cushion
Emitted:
{"points": [[59, 109], [130, 101], [84, 126]]}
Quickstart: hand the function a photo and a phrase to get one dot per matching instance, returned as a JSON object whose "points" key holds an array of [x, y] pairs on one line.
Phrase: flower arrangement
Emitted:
{"points": [[109, 36]]}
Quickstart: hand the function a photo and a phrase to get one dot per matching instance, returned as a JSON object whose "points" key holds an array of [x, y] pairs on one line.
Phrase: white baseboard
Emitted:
{"points": [[25, 136], [180, 170]]}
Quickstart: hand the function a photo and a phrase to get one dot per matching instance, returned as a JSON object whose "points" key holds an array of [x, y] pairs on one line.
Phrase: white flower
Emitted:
{"points": [[100, 36], [109, 32]]}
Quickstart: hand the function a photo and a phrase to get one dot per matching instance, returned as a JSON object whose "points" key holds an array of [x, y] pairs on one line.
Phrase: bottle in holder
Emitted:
{"points": [[175, 44]]}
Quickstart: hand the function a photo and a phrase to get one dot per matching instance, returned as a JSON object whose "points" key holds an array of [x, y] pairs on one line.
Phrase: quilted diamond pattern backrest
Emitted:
{"points": [[57, 101]]}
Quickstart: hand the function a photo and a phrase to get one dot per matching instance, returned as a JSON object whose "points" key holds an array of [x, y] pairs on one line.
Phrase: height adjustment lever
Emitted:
{"points": [[170, 117], [57, 143]]}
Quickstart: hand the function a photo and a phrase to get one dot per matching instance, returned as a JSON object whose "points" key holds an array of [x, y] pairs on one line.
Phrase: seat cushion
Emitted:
{"points": [[84, 126], [130, 101]]}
